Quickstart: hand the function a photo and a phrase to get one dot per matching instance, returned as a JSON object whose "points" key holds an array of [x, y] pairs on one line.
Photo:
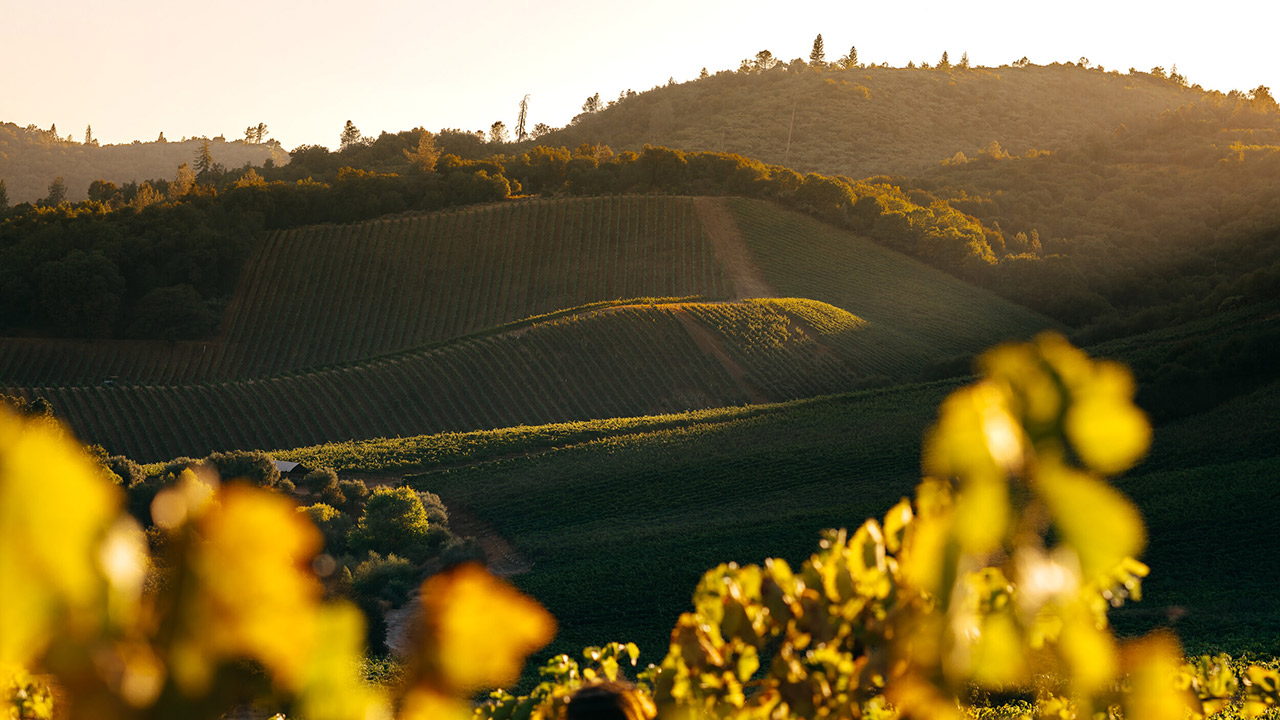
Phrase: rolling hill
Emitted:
{"points": [[506, 314], [877, 120], [617, 519]]}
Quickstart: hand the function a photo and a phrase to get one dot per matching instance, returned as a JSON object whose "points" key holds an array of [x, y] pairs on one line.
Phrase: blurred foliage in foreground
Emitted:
{"points": [[995, 582]]}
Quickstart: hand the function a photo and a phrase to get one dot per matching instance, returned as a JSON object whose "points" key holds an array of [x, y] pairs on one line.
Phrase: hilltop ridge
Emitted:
{"points": [[871, 121]]}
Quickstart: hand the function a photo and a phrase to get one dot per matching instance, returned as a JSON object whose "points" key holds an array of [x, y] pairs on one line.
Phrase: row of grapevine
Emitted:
{"points": [[332, 294], [915, 312], [779, 356], [608, 363]]}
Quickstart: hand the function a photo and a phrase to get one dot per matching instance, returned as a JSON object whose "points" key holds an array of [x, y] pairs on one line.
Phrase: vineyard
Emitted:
{"points": [[661, 498], [332, 294], [535, 311], [921, 312]]}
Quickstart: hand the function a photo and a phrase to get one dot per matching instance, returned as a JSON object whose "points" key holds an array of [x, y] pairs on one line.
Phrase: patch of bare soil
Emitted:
{"points": [[731, 249]]}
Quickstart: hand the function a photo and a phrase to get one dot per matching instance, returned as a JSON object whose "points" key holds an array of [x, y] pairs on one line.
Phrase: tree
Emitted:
{"points": [[183, 183], [964, 60], [177, 312], [1261, 96], [88, 135], [425, 155], [146, 197], [703, 75], [521, 135], [204, 160], [161, 138], [394, 521], [102, 190], [764, 61], [498, 133], [539, 130], [592, 104], [850, 61], [260, 133], [57, 193], [80, 294], [4, 197], [944, 63], [350, 136], [818, 56]]}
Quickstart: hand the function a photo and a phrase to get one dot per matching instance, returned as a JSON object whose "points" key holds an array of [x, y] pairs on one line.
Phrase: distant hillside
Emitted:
{"points": [[30, 159], [871, 121]]}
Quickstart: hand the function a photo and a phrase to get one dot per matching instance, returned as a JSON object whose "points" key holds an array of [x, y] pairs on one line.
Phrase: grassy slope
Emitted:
{"points": [[891, 120]]}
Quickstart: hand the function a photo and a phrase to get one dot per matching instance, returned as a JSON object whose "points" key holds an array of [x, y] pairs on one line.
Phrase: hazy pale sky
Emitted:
{"points": [[136, 68]]}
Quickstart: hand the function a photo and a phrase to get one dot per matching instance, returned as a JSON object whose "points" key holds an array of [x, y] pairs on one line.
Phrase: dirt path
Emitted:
{"points": [[731, 249], [709, 344]]}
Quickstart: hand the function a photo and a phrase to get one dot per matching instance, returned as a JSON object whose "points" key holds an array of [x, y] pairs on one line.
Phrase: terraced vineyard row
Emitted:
{"points": [[611, 363], [333, 294], [920, 313]]}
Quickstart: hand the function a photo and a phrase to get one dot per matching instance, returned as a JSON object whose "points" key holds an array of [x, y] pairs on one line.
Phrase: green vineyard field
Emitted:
{"points": [[921, 312], [618, 518], [333, 294], [601, 362]]}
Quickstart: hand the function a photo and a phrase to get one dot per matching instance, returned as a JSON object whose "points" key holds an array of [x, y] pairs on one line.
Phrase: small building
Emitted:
{"points": [[287, 467]]}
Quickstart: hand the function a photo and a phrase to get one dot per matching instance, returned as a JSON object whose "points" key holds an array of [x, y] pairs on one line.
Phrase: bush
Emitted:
{"points": [[334, 526], [319, 479], [130, 472], [253, 466], [355, 492], [394, 521]]}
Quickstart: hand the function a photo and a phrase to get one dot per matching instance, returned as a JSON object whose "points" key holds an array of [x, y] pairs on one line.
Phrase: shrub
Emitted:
{"points": [[253, 466], [394, 521]]}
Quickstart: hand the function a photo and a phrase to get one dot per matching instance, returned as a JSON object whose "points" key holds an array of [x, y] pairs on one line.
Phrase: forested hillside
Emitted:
{"points": [[31, 159], [866, 121]]}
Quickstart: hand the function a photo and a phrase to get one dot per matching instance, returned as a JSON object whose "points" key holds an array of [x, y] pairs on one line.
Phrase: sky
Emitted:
{"points": [[135, 68]]}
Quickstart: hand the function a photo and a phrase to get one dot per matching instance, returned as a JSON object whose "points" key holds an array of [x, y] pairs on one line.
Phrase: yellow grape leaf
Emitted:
{"points": [[1090, 653], [1019, 365], [1097, 521], [257, 596], [479, 629], [975, 435], [1107, 430], [332, 688], [895, 524], [982, 515], [1153, 665], [997, 654], [429, 704], [55, 508]]}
